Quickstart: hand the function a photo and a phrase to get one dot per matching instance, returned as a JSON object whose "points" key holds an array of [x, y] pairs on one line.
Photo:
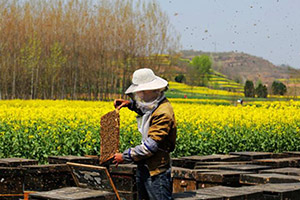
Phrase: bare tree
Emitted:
{"points": [[80, 49]]}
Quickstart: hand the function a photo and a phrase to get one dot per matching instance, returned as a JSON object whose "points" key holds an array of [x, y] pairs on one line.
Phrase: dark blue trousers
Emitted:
{"points": [[157, 187]]}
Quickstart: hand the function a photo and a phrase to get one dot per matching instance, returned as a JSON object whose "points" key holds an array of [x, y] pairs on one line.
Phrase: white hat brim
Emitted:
{"points": [[157, 83]]}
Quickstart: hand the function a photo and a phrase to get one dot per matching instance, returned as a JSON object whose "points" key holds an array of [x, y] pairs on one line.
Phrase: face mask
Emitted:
{"points": [[146, 106]]}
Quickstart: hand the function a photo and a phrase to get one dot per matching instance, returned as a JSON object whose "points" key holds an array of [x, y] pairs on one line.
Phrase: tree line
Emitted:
{"points": [[261, 91], [72, 49]]}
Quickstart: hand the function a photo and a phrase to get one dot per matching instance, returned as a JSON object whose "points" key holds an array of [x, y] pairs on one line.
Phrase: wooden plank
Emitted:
{"points": [[279, 162], [251, 168], [16, 162], [109, 135], [254, 179], [199, 164], [286, 171], [230, 193], [128, 169], [93, 177], [181, 162], [282, 155], [192, 161], [71, 158], [251, 155], [293, 153], [282, 191], [192, 195], [222, 176], [214, 157], [73, 193], [128, 195], [183, 173]]}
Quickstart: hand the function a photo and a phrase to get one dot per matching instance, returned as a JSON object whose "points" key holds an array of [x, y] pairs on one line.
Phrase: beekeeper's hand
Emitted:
{"points": [[118, 159], [119, 103]]}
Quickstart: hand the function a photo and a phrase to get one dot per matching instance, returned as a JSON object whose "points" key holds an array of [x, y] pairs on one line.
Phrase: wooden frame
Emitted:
{"points": [[94, 169], [109, 135]]}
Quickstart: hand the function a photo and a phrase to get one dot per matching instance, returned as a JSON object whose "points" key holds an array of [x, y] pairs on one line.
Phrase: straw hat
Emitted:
{"points": [[145, 79]]}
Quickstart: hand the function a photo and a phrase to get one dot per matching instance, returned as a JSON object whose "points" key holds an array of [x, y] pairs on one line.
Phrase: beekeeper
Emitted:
{"points": [[156, 123]]}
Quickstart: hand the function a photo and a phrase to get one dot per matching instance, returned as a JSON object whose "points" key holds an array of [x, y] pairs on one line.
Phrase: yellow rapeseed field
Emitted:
{"points": [[39, 128]]}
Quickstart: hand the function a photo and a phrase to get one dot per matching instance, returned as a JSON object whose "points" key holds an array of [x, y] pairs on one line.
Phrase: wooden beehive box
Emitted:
{"points": [[183, 179], [93, 182], [11, 180], [124, 178], [47, 177], [191, 179]]}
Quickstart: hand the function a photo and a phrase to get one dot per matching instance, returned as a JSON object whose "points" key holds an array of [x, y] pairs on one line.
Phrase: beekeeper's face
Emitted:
{"points": [[147, 95]]}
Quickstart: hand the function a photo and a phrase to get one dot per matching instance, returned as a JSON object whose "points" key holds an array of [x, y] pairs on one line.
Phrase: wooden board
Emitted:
{"points": [[222, 176], [109, 135], [214, 157], [194, 195], [293, 153], [74, 159], [287, 171], [252, 168], [222, 192], [16, 162], [254, 179], [231, 193], [251, 155], [191, 161], [279, 162], [92, 177], [282, 191], [73, 193], [199, 164]]}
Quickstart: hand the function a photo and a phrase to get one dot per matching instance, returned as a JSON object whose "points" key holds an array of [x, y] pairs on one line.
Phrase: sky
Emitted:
{"points": [[269, 29]]}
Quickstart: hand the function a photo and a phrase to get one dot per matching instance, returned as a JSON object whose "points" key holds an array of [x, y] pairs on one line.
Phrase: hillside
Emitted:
{"points": [[240, 67]]}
